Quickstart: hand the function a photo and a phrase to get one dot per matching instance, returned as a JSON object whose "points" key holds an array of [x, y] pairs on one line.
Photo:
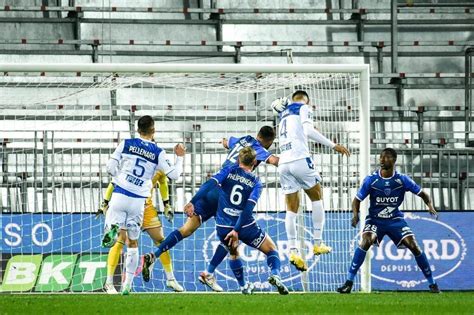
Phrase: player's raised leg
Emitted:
{"points": [[318, 216], [165, 258], [191, 225]]}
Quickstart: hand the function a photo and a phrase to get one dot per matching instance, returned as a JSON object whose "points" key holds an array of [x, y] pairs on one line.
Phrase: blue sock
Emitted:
{"points": [[238, 270], [170, 241], [357, 260], [424, 265], [219, 256], [273, 261]]}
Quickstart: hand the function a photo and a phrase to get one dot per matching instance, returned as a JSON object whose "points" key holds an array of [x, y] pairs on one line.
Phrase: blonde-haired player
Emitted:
{"points": [[152, 225]]}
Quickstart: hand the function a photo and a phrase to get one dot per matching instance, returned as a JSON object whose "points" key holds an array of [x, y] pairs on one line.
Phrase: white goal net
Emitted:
{"points": [[59, 125]]}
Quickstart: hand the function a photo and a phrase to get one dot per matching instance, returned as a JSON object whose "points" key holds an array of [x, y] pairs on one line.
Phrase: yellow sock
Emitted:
{"points": [[113, 258], [165, 259]]}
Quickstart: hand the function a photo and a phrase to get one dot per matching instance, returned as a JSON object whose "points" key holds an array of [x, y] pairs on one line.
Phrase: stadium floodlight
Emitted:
{"points": [[60, 122]]}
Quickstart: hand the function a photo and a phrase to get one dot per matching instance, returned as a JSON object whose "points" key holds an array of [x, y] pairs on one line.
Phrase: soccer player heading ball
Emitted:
{"points": [[387, 188], [296, 169]]}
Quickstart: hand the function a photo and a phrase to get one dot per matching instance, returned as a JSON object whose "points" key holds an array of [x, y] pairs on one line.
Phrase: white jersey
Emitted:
{"points": [[138, 161], [293, 141]]}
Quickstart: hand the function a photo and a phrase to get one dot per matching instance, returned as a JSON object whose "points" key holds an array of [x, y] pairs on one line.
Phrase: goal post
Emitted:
{"points": [[61, 122]]}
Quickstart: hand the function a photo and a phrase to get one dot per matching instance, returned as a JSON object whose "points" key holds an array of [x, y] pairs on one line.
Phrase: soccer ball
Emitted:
{"points": [[280, 104]]}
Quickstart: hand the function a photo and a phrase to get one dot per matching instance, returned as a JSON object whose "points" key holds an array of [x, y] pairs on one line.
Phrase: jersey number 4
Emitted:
{"points": [[283, 130]]}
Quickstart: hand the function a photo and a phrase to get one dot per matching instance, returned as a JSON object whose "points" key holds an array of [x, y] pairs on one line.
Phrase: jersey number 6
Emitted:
{"points": [[236, 193]]}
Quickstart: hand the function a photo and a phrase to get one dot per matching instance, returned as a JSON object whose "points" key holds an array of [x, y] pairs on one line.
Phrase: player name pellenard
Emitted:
{"points": [[142, 152], [241, 179]]}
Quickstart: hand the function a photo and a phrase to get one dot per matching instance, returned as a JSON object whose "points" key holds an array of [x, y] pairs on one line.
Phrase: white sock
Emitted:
{"points": [[169, 275], [131, 265], [110, 280], [290, 227], [318, 216]]}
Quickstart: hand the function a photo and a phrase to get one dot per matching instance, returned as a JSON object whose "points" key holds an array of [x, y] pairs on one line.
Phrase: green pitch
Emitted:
{"points": [[380, 303]]}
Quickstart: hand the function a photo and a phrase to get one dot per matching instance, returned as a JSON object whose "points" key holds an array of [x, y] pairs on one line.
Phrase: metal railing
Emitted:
{"points": [[46, 174]]}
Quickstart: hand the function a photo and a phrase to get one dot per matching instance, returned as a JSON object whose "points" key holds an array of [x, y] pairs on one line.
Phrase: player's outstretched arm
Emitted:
{"points": [[317, 136], [426, 198], [355, 212], [342, 149], [232, 239], [180, 149], [273, 160], [165, 165]]}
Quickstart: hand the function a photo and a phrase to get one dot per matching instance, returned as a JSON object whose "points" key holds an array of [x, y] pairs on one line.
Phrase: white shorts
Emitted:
{"points": [[127, 213], [298, 174]]}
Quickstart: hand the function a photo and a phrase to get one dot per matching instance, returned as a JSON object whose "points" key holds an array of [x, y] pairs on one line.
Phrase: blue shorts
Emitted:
{"points": [[251, 235], [396, 229], [206, 207]]}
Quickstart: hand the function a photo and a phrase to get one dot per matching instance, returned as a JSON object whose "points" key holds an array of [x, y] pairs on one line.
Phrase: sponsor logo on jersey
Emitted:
{"points": [[386, 199], [232, 212], [258, 241], [386, 213]]}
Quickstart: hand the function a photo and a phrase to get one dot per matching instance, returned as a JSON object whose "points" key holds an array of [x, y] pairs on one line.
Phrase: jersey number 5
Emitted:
{"points": [[139, 170]]}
